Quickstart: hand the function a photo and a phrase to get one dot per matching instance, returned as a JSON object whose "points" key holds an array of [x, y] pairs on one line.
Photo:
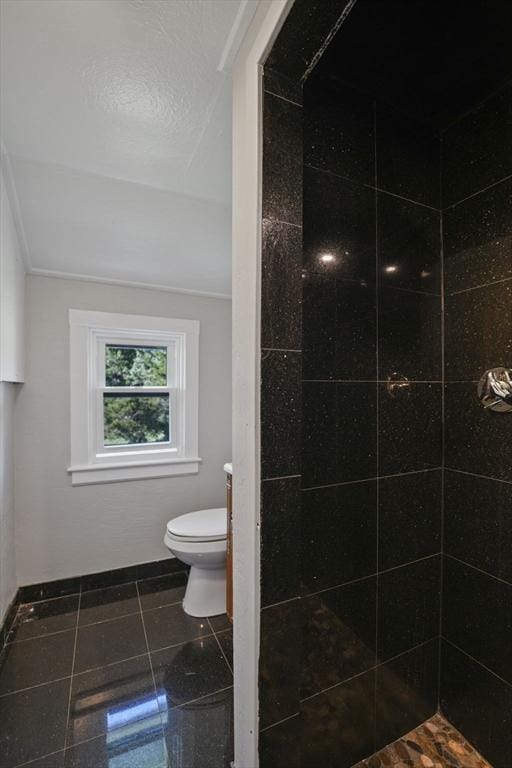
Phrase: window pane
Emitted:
{"points": [[130, 366], [130, 419]]}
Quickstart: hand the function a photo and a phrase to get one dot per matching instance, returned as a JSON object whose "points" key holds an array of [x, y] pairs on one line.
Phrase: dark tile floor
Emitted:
{"points": [[118, 677]]}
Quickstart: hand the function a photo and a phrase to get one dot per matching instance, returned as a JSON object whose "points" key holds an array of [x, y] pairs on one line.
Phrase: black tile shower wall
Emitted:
{"points": [[476, 149], [282, 160], [371, 424], [406, 300], [281, 374], [298, 44], [280, 540], [405, 695], [408, 157], [476, 680], [478, 703], [477, 239]]}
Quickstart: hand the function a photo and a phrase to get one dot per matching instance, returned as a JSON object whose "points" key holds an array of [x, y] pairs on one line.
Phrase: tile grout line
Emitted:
{"points": [[11, 628], [279, 722], [373, 575], [282, 221], [476, 661], [312, 271], [377, 419], [100, 589], [91, 623], [41, 757], [443, 428], [72, 670], [481, 285], [483, 477], [369, 479], [40, 637], [279, 349], [100, 735], [103, 666], [281, 602], [110, 664], [282, 477], [479, 570], [220, 646], [278, 96], [369, 381], [326, 42], [200, 698], [478, 192], [370, 186], [48, 599], [376, 666], [152, 671], [138, 656], [81, 590], [37, 685], [148, 651]]}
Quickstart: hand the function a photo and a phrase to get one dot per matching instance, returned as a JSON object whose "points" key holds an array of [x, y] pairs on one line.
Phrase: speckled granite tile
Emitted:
{"points": [[406, 321], [476, 149], [409, 245], [339, 220], [280, 413], [280, 85], [477, 235], [306, 27], [478, 324], [477, 440], [282, 160], [331, 411], [339, 319], [281, 285], [339, 140], [410, 428]]}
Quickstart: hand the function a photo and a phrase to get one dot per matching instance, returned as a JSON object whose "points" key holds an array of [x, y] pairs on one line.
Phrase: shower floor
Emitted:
{"points": [[434, 744]]}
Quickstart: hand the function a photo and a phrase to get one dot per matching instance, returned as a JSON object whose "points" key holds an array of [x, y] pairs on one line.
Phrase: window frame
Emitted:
{"points": [[91, 460]]}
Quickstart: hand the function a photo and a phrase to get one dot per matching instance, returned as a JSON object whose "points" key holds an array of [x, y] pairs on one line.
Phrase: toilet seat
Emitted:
{"points": [[203, 525]]}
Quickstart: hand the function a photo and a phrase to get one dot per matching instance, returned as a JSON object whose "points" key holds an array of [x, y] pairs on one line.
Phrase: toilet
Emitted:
{"points": [[199, 539]]}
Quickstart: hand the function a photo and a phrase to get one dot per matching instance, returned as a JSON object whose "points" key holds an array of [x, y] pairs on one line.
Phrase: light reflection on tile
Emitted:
{"points": [[211, 717], [109, 698], [142, 747]]}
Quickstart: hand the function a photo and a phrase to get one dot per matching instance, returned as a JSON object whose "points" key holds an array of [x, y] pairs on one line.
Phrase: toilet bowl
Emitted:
{"points": [[199, 540]]}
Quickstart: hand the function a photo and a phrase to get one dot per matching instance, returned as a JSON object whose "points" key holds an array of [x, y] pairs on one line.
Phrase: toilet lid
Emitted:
{"points": [[203, 525]]}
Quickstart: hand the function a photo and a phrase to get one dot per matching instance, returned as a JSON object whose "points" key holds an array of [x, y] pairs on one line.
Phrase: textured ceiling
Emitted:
{"points": [[116, 119]]}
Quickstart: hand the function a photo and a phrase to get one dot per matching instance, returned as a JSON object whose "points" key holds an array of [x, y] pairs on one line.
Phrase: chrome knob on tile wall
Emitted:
{"points": [[495, 390]]}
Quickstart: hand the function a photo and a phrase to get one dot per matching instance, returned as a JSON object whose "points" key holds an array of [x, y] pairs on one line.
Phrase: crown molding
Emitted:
{"points": [[127, 283]]}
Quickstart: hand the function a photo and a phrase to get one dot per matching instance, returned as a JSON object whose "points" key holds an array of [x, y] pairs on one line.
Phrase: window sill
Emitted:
{"points": [[144, 470]]}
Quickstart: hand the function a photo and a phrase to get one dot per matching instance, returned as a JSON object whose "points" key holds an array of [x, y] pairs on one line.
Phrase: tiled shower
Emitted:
{"points": [[386, 497]]}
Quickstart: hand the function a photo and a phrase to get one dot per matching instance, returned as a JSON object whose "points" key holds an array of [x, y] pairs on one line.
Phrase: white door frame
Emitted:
{"points": [[247, 130]]}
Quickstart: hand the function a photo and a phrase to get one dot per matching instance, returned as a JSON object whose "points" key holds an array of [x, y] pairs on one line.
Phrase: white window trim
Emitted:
{"points": [[89, 464]]}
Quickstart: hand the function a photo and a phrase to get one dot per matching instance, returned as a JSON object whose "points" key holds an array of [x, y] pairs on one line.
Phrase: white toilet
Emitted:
{"points": [[199, 539]]}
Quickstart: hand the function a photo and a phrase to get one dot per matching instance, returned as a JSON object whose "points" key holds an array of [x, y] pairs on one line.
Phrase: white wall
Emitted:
{"points": [[7, 558], [11, 369], [63, 530], [11, 294]]}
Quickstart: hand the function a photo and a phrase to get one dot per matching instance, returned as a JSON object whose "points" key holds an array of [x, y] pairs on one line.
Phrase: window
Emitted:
{"points": [[134, 397]]}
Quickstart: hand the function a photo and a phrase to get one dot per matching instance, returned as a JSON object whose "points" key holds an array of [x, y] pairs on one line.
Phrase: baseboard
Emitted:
{"points": [[50, 589], [8, 620]]}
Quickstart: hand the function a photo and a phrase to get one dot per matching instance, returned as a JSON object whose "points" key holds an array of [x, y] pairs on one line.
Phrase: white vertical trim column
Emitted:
{"points": [[247, 101]]}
